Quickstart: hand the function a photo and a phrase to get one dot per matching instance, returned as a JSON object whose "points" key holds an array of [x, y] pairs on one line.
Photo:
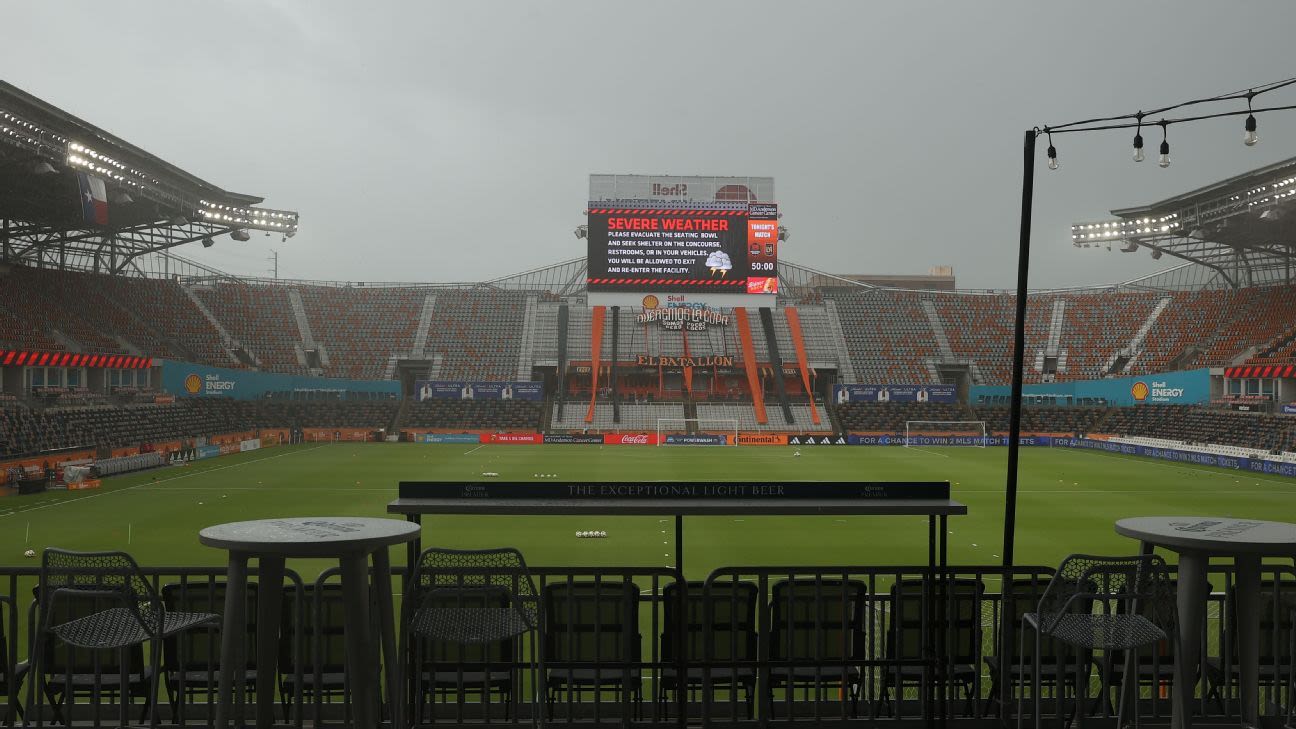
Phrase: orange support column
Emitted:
{"points": [[596, 352], [794, 326], [749, 363]]}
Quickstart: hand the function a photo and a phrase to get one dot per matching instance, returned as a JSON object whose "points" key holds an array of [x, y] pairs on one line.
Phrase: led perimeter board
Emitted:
{"points": [[723, 256]]}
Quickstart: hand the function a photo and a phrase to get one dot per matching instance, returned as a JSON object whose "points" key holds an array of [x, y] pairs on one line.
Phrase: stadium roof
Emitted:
{"points": [[51, 161], [1242, 228]]}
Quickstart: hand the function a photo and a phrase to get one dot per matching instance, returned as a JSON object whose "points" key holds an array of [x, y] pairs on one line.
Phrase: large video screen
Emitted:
{"points": [[684, 250]]}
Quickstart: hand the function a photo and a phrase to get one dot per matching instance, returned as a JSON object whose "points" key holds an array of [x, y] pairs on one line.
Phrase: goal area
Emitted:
{"points": [[727, 427], [966, 433]]}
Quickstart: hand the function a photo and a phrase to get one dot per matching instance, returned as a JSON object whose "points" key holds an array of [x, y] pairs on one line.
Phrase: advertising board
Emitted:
{"points": [[574, 439], [698, 439], [629, 439], [511, 438], [894, 393], [447, 438], [465, 390]]}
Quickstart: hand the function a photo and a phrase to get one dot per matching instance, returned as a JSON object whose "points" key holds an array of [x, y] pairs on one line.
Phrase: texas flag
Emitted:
{"points": [[94, 199]]}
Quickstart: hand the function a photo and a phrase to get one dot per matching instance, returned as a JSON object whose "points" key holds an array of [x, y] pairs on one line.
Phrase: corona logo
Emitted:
{"points": [[192, 384], [650, 302], [1139, 391]]}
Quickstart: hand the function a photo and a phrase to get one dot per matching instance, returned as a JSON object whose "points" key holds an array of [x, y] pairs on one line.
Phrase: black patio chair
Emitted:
{"points": [[12, 671], [322, 632], [904, 637], [1277, 655], [101, 603], [1022, 596], [591, 640], [719, 627], [1101, 603], [817, 633], [463, 621], [191, 660]]}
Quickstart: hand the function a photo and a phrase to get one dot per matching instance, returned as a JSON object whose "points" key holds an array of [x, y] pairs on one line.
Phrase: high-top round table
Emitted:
{"points": [[352, 541], [1196, 539]]}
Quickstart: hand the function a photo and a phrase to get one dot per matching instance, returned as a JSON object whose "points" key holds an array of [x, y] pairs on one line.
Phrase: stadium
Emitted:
{"points": [[144, 397]]}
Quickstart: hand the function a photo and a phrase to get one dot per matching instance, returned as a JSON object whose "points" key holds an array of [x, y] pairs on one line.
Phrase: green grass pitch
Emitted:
{"points": [[1068, 502]]}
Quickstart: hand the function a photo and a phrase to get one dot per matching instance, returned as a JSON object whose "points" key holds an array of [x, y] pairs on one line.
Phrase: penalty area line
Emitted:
{"points": [[476, 449]]}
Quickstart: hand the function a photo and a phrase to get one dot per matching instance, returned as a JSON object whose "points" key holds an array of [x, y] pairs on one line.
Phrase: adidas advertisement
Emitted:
{"points": [[809, 440]]}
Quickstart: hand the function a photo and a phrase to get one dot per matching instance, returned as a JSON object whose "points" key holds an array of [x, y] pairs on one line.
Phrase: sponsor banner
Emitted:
{"points": [[1168, 388], [250, 445], [817, 440], [630, 439], [183, 379], [762, 439], [89, 483], [1289, 409], [207, 451], [163, 399], [894, 393], [1254, 465], [577, 439], [898, 439], [511, 438], [447, 438], [699, 439], [464, 390]]}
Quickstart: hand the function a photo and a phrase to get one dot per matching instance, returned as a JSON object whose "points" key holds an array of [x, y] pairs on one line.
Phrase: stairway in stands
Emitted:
{"points": [[1124, 358], [237, 353]]}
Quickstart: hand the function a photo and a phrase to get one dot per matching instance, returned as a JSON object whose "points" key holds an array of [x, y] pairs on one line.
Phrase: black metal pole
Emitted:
{"points": [[1019, 346]]}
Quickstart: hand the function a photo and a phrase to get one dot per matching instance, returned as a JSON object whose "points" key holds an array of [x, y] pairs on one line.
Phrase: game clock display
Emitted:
{"points": [[684, 249]]}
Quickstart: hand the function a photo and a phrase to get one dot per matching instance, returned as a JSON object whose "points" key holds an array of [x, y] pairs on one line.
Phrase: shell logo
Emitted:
{"points": [[650, 302], [1139, 391], [192, 384]]}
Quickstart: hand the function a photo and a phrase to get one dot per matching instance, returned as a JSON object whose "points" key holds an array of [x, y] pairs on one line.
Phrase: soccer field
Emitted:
{"points": [[1068, 502]]}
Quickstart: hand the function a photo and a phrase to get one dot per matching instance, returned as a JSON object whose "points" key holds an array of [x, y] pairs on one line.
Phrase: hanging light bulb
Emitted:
{"points": [[1164, 159], [1138, 139], [1250, 138], [1052, 154]]}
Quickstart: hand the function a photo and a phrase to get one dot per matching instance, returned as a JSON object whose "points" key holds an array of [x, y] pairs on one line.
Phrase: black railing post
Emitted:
{"points": [[1019, 346]]}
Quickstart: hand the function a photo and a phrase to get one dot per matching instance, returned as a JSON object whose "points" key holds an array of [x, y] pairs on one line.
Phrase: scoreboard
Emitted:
{"points": [[721, 255]]}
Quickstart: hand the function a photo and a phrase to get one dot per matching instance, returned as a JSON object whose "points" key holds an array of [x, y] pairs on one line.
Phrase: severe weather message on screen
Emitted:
{"points": [[729, 251]]}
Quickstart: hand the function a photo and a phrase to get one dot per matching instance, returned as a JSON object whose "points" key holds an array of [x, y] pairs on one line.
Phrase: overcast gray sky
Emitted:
{"points": [[436, 141]]}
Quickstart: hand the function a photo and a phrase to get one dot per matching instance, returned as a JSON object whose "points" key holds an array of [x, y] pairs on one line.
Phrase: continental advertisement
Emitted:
{"points": [[762, 439]]}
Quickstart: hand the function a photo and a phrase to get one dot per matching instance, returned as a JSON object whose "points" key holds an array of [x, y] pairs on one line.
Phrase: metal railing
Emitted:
{"points": [[749, 646]]}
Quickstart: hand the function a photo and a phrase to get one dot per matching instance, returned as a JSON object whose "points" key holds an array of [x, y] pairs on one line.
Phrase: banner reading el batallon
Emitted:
{"points": [[894, 393], [463, 390]]}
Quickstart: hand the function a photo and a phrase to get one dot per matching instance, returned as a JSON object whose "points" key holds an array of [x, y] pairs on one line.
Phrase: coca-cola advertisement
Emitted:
{"points": [[630, 439]]}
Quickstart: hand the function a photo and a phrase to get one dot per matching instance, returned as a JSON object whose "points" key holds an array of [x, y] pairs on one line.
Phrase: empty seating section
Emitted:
{"points": [[1043, 419], [890, 417], [473, 415], [361, 327], [258, 317], [31, 431], [640, 418], [170, 314], [49, 300], [745, 416], [1195, 425], [888, 335], [980, 328], [372, 414], [477, 332], [1191, 319], [1096, 326]]}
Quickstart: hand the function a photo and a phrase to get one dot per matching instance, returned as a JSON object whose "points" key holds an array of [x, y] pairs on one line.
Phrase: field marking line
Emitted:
{"points": [[165, 480], [483, 445], [924, 450], [1216, 471]]}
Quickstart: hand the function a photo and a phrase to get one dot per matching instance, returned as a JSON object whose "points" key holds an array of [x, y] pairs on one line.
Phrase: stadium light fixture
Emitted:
{"points": [[43, 168], [123, 198], [208, 242]]}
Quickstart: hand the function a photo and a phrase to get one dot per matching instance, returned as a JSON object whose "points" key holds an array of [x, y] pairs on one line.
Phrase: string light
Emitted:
{"points": [[1164, 159], [1138, 139], [1052, 153]]}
